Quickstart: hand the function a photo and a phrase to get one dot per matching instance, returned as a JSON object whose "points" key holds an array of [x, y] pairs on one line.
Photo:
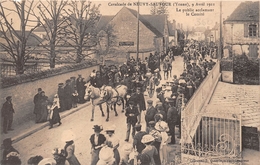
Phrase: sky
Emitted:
{"points": [[184, 12]]}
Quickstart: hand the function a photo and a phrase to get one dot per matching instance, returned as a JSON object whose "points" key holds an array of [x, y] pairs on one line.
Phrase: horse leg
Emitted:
{"points": [[123, 105], [101, 109], [93, 108], [115, 109], [107, 113]]}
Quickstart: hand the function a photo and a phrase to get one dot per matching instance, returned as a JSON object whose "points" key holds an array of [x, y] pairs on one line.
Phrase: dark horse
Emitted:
{"points": [[113, 96]]}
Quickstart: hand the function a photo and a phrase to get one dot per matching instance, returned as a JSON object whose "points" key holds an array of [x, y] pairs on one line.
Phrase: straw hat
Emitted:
{"points": [[147, 139], [111, 128], [127, 148], [67, 135], [49, 161], [106, 154], [161, 126]]}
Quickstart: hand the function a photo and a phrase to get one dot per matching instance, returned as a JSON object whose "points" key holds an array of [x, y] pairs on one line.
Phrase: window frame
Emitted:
{"points": [[252, 31]]}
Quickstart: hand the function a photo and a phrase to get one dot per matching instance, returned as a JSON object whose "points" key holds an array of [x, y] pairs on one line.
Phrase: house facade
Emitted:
{"points": [[153, 33], [241, 30]]}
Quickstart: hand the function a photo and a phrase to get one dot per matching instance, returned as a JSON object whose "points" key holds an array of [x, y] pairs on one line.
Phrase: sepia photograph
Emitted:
{"points": [[130, 82]]}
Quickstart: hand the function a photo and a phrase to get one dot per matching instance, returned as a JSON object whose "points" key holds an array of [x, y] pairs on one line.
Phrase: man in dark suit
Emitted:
{"points": [[68, 95], [138, 137], [97, 141], [149, 113], [36, 101], [7, 114], [131, 119], [172, 118]]}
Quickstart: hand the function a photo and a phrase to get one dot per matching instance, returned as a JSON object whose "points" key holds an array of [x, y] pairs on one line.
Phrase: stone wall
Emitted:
{"points": [[23, 94]]}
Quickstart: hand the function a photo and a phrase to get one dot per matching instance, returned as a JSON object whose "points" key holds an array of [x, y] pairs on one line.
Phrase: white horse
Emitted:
{"points": [[113, 96], [93, 94]]}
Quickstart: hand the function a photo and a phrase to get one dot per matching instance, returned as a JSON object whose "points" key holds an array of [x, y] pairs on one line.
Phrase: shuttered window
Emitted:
{"points": [[245, 30], [252, 30]]}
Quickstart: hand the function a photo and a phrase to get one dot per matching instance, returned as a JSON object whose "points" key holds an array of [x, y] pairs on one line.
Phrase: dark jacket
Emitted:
{"points": [[137, 141], [150, 113], [131, 119], [172, 115], [139, 100], [101, 140], [7, 110]]}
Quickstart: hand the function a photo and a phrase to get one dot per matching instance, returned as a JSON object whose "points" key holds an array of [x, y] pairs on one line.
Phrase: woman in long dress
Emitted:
{"points": [[43, 113], [113, 143], [69, 147]]}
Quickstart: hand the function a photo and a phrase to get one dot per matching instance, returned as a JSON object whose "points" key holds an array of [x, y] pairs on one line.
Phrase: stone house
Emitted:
{"points": [[153, 34], [241, 30]]}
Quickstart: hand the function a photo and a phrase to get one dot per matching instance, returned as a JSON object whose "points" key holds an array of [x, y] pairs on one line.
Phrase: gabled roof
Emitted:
{"points": [[33, 39], [103, 21], [152, 26], [246, 11], [171, 29]]}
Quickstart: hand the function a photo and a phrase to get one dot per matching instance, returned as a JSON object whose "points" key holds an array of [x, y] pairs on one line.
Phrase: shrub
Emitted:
{"points": [[18, 79]]}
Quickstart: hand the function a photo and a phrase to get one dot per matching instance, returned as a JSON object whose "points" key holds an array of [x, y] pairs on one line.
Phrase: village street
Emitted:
{"points": [[44, 141]]}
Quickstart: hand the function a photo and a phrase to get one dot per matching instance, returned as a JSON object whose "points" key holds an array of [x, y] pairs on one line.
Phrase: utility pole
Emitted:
{"points": [[220, 33], [137, 42]]}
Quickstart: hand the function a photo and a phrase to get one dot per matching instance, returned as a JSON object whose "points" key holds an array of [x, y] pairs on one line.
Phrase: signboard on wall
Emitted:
{"points": [[128, 43], [227, 76]]}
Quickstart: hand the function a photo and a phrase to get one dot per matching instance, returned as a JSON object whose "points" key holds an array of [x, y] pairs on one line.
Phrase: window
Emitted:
{"points": [[252, 31]]}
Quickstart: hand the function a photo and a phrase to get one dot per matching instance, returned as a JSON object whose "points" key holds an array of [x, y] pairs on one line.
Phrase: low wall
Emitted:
{"points": [[22, 94]]}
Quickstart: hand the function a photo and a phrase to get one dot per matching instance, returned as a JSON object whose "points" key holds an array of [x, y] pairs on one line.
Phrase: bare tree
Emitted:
{"points": [[108, 34], [52, 22], [83, 17], [14, 41]]}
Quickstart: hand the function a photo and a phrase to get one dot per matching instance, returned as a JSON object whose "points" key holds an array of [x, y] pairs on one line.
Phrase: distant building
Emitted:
{"points": [[241, 30], [198, 33], [153, 33], [173, 34]]}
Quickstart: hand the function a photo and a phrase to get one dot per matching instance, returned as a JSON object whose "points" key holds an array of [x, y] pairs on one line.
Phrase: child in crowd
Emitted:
{"points": [[75, 98]]}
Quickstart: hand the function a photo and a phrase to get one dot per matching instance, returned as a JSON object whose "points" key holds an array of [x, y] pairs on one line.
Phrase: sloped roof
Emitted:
{"points": [[240, 99], [246, 11], [152, 26], [171, 29], [199, 29], [33, 39], [103, 21], [157, 21]]}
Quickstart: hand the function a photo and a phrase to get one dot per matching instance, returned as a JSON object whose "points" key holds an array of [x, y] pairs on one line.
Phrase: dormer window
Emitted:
{"points": [[252, 30]]}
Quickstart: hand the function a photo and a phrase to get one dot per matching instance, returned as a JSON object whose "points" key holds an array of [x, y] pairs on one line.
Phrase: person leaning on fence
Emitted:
{"points": [[7, 114]]}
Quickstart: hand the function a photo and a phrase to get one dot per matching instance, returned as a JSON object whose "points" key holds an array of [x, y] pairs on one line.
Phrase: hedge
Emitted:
{"points": [[18, 79]]}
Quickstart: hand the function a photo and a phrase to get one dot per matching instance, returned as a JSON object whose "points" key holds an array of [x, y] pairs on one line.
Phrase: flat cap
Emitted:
{"points": [[149, 101], [138, 126]]}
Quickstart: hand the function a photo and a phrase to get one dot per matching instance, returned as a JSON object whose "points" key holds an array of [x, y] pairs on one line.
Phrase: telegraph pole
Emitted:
{"points": [[220, 33], [137, 42]]}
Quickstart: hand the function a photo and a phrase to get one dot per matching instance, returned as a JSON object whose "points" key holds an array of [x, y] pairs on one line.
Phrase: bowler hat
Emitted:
{"points": [[39, 89], [60, 84], [8, 97], [97, 128], [138, 126], [149, 101], [131, 102], [170, 100], [152, 123], [7, 141], [67, 81]]}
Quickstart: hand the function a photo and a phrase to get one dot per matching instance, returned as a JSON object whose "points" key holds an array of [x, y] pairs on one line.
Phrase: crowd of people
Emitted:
{"points": [[148, 147]]}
